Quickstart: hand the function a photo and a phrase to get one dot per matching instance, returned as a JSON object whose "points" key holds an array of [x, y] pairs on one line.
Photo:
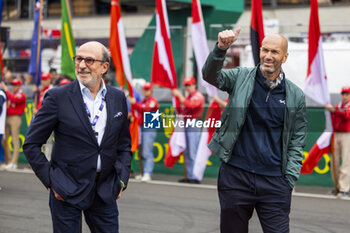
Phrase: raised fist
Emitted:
{"points": [[227, 37]]}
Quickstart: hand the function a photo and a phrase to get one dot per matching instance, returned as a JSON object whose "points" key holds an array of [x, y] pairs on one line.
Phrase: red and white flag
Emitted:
{"points": [[256, 29], [203, 152], [163, 66], [119, 49], [176, 146], [119, 52], [200, 44], [164, 74], [316, 88]]}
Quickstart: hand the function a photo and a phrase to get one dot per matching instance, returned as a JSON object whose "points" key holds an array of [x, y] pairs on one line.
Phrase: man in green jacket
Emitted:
{"points": [[262, 136]]}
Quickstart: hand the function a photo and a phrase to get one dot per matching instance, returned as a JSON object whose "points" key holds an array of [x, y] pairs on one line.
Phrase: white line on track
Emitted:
{"points": [[204, 186], [207, 186]]}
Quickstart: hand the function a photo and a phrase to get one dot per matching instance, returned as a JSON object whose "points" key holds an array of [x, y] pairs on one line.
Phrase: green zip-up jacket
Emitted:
{"points": [[239, 84]]}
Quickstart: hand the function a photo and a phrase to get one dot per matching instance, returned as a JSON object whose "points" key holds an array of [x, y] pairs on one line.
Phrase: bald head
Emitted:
{"points": [[273, 53], [97, 46], [277, 39]]}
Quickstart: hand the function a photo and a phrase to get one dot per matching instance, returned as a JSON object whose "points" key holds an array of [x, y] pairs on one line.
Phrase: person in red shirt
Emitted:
{"points": [[16, 103], [148, 104], [193, 107], [341, 126], [45, 82], [64, 81]]}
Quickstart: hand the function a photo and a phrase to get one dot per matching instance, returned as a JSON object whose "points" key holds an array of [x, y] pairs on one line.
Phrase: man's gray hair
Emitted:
{"points": [[106, 56]]}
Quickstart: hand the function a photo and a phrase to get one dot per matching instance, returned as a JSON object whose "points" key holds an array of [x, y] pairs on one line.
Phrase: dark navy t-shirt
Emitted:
{"points": [[259, 145]]}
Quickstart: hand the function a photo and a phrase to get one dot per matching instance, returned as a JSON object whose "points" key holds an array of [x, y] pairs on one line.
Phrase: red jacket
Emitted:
{"points": [[147, 105], [16, 103], [341, 118], [193, 105], [42, 95]]}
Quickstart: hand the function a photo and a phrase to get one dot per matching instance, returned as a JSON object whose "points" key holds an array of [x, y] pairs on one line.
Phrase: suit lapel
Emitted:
{"points": [[77, 101]]}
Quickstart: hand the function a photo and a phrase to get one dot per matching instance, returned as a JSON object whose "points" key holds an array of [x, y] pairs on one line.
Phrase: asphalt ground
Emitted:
{"points": [[165, 206]]}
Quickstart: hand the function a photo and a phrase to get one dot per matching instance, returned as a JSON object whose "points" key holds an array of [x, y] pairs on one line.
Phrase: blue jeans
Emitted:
{"points": [[192, 140], [148, 137]]}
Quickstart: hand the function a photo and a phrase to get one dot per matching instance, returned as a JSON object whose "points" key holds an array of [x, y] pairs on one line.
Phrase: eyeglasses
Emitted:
{"points": [[88, 60]]}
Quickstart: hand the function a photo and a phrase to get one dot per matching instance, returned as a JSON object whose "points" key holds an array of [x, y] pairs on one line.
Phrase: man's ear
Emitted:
{"points": [[285, 57], [105, 67]]}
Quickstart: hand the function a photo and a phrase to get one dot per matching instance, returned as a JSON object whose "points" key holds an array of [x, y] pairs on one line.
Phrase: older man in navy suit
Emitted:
{"points": [[90, 161]]}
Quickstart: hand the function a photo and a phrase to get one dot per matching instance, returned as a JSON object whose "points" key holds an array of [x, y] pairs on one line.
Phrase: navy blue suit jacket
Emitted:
{"points": [[72, 169]]}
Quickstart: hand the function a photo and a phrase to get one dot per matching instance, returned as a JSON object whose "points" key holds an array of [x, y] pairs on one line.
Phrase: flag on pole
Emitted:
{"points": [[119, 49], [256, 29], [316, 88], [200, 44], [163, 74], [203, 153], [163, 66], [119, 52], [35, 55], [67, 41], [176, 145], [1, 61]]}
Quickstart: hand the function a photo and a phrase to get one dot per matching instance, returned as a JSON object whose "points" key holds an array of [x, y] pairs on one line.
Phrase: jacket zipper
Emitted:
{"points": [[268, 96]]}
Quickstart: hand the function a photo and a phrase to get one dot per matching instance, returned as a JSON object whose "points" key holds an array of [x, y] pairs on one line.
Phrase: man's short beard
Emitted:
{"points": [[87, 83], [268, 71]]}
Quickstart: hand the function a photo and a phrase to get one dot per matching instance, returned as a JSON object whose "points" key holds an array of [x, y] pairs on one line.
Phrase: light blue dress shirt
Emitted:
{"points": [[93, 105]]}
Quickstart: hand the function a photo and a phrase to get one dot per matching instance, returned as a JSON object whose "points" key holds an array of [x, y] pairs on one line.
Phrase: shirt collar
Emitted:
{"points": [[86, 91], [271, 84]]}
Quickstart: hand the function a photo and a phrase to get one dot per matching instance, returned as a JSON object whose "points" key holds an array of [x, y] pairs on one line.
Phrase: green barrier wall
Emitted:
{"points": [[321, 175]]}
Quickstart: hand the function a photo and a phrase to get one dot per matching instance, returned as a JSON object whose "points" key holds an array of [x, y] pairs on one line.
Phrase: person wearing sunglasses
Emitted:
{"points": [[90, 161]]}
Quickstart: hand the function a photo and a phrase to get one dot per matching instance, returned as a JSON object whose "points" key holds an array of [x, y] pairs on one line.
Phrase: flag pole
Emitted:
{"points": [[38, 54]]}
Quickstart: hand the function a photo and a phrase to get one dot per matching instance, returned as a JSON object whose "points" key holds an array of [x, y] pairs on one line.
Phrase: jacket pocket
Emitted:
{"points": [[62, 183]]}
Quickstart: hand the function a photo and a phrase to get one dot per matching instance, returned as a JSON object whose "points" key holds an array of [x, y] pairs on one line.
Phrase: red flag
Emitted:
{"points": [[119, 49], [256, 29], [200, 44], [316, 88], [163, 66], [119, 52], [176, 145], [163, 73]]}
